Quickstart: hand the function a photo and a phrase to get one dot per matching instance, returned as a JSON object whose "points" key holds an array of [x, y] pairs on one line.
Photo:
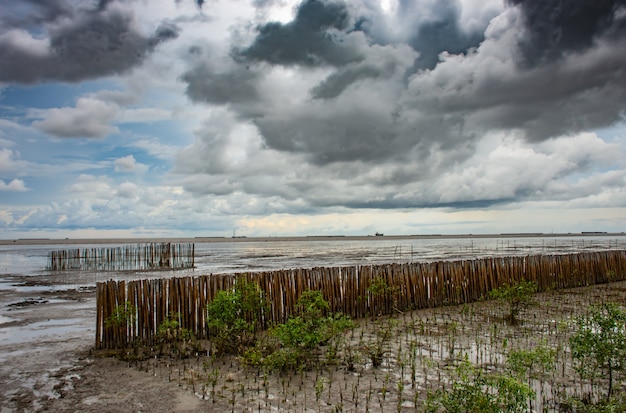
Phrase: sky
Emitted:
{"points": [[318, 117]]}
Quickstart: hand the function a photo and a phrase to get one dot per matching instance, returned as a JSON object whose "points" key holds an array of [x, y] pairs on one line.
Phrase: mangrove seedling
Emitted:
{"points": [[518, 295], [477, 391], [233, 317], [599, 343]]}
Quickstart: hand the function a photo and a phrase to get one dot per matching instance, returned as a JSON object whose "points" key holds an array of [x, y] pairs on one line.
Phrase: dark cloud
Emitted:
{"points": [[349, 135], [556, 27], [306, 41], [392, 203], [557, 98], [336, 83], [93, 43], [439, 33], [236, 85], [199, 3], [383, 130]]}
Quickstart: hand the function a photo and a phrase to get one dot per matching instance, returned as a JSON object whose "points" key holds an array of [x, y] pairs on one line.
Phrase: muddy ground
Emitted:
{"points": [[47, 363]]}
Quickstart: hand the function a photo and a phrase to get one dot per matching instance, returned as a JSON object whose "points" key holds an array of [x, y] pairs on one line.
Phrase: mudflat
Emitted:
{"points": [[60, 371]]}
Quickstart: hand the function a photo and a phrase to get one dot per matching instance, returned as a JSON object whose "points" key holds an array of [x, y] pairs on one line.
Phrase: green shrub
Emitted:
{"points": [[293, 344], [172, 338], [377, 348], [475, 391], [612, 405], [123, 316], [234, 317], [532, 364], [599, 343], [123, 319], [518, 296], [380, 289]]}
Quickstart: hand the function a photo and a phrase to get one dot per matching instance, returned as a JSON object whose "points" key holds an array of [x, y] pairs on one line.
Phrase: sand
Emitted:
{"points": [[47, 362]]}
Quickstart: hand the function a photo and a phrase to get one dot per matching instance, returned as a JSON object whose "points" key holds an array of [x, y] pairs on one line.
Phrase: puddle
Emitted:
{"points": [[53, 329], [5, 320]]}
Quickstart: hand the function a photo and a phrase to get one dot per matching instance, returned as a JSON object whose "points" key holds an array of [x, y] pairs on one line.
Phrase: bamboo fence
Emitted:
{"points": [[153, 256], [410, 286]]}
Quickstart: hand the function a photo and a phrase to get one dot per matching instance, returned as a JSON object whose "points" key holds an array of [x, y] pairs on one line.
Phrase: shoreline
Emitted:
{"points": [[139, 240]]}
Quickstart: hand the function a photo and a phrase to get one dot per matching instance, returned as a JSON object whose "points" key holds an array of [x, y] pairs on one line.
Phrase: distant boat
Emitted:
{"points": [[378, 234]]}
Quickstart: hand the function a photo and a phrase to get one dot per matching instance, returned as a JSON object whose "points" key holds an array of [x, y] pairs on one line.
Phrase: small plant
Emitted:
{"points": [[123, 318], [475, 391], [212, 378], [319, 388], [532, 364], [292, 345], [352, 357], [377, 348], [380, 289], [175, 339], [517, 295], [599, 343], [612, 405], [233, 316]]}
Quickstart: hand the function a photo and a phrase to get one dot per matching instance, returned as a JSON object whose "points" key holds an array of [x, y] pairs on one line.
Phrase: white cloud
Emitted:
{"points": [[90, 118], [127, 190], [143, 115], [16, 185], [10, 162], [23, 41], [86, 185], [125, 164]]}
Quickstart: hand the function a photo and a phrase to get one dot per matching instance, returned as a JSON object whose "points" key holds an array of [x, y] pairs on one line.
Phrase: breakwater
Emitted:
{"points": [[152, 256], [347, 289]]}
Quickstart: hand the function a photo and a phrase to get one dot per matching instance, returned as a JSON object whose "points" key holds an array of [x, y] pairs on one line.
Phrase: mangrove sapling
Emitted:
{"points": [[380, 290], [175, 339], [413, 361], [212, 377], [400, 384], [377, 349], [319, 388], [123, 318], [295, 343], [474, 390], [599, 343], [518, 295], [368, 397], [233, 317], [351, 356], [532, 364]]}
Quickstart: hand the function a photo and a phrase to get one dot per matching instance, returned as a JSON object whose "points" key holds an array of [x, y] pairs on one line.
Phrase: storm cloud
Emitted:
{"points": [[556, 27], [77, 43], [315, 37], [418, 87]]}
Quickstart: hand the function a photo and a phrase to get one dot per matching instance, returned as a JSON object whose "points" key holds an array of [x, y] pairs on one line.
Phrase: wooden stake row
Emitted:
{"points": [[152, 256], [347, 289]]}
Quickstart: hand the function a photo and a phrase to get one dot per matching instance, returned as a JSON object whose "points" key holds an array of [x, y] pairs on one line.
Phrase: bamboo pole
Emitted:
{"points": [[412, 286]]}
